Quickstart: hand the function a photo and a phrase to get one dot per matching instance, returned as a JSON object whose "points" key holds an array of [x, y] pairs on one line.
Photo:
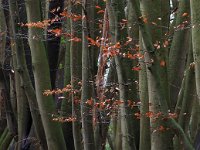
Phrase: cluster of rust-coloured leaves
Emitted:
{"points": [[109, 50], [110, 106]]}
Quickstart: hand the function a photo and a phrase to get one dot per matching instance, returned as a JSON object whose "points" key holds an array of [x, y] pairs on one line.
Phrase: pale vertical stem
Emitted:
{"points": [[145, 138], [53, 131]]}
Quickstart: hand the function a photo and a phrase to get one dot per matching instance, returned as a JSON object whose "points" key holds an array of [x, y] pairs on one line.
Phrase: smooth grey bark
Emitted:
{"points": [[178, 50], [23, 113], [132, 76], [155, 87], [76, 76], [157, 36], [188, 98], [24, 81], [145, 138], [53, 131], [195, 19], [115, 14], [3, 29], [156, 74], [194, 120], [189, 92], [87, 127]]}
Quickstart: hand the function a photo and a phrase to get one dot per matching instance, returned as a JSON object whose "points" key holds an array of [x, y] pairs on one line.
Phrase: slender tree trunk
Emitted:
{"points": [[3, 29], [196, 41], [195, 19], [53, 132], [86, 115], [24, 80], [187, 99], [123, 66], [23, 113], [76, 67], [145, 139], [159, 140], [156, 75], [66, 108], [178, 51]]}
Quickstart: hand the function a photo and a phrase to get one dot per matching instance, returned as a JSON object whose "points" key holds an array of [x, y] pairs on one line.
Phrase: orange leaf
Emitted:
{"points": [[117, 45], [138, 115], [100, 12], [77, 17], [161, 128], [166, 43], [173, 115], [184, 14], [93, 42], [56, 31], [124, 21], [145, 20], [75, 39], [119, 102], [149, 114], [64, 14], [97, 7], [162, 63], [89, 102], [136, 68], [129, 103], [128, 41]]}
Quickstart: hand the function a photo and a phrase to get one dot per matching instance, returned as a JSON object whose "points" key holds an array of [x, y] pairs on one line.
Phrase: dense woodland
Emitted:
{"points": [[99, 74]]}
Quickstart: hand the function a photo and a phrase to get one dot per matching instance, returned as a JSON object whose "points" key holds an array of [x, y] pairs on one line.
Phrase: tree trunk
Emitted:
{"points": [[76, 67], [196, 41], [86, 115], [145, 139], [123, 68], [178, 50], [53, 132]]}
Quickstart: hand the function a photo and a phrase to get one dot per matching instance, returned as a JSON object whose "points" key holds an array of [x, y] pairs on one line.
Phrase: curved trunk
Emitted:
{"points": [[125, 77], [53, 131], [178, 50]]}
